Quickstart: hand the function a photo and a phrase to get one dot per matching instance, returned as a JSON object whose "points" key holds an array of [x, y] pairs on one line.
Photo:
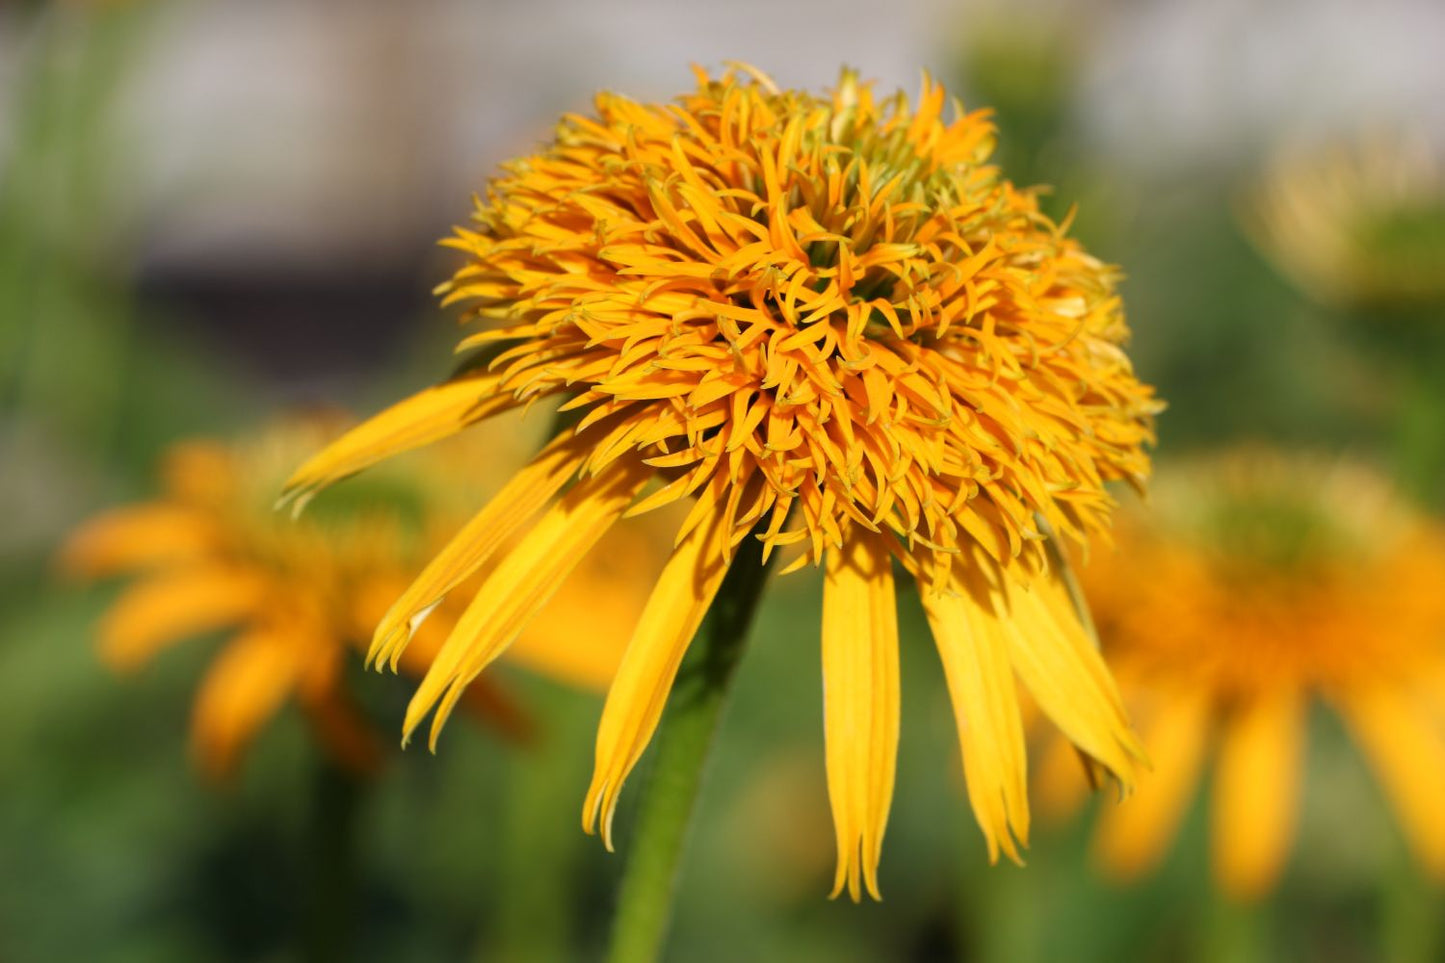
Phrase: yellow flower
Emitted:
{"points": [[1357, 223], [833, 326], [211, 554], [1256, 584]]}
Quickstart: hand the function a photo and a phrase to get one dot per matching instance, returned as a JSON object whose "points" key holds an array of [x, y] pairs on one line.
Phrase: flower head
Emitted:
{"points": [[210, 554], [1257, 584], [834, 327], [1357, 223]]}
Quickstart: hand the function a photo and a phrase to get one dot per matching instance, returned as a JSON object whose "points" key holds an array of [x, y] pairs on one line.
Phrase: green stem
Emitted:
{"points": [[1420, 436], [644, 906], [1410, 925], [330, 924], [1237, 932]]}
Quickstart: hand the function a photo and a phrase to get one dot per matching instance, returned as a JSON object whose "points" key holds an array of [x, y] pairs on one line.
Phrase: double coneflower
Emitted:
{"points": [[300, 598], [834, 328], [1258, 584], [1359, 223]]}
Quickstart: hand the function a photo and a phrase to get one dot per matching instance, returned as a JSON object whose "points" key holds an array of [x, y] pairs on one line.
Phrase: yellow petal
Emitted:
{"points": [[511, 508], [1406, 748], [141, 536], [860, 703], [670, 619], [172, 605], [521, 583], [1056, 660], [427, 416], [974, 649], [202, 473], [602, 600], [243, 688], [1256, 789], [1134, 833]]}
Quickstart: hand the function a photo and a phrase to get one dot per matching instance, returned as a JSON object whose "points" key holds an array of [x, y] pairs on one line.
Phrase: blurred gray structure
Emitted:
{"points": [[314, 133]]}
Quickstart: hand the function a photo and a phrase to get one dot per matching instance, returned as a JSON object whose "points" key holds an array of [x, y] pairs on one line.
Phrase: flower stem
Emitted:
{"points": [[1236, 932], [1410, 930], [336, 807], [644, 906]]}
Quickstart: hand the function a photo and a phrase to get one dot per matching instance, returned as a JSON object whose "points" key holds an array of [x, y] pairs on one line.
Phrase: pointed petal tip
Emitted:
{"points": [[590, 808], [295, 496], [609, 807], [872, 884]]}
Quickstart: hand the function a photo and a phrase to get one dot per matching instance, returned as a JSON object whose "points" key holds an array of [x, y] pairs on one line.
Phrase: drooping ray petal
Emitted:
{"points": [[603, 601], [1406, 748], [674, 610], [974, 649], [484, 699], [137, 537], [521, 583], [429, 415], [510, 509], [1064, 672], [244, 687], [860, 704], [172, 605], [1256, 791], [1134, 833]]}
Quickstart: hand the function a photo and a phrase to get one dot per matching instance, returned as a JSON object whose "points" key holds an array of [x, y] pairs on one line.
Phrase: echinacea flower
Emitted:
{"points": [[834, 327], [210, 554], [1256, 585], [1359, 223]]}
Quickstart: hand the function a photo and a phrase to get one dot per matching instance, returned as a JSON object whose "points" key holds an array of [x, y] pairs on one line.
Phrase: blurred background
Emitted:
{"points": [[212, 211]]}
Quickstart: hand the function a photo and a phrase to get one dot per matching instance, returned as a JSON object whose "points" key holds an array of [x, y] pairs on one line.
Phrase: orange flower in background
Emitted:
{"points": [[833, 327], [301, 597], [1255, 585]]}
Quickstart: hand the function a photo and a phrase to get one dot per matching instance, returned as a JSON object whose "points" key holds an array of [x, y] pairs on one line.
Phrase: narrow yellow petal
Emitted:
{"points": [[860, 703], [1056, 660], [674, 610], [201, 473], [486, 700], [1256, 792], [140, 536], [172, 605], [244, 687], [1407, 751], [1135, 833], [521, 584], [974, 649], [602, 600], [511, 508], [427, 416]]}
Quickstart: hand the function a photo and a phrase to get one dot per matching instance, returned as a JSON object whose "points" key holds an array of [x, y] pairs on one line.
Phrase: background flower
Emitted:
{"points": [[1357, 222], [302, 596], [1256, 584]]}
